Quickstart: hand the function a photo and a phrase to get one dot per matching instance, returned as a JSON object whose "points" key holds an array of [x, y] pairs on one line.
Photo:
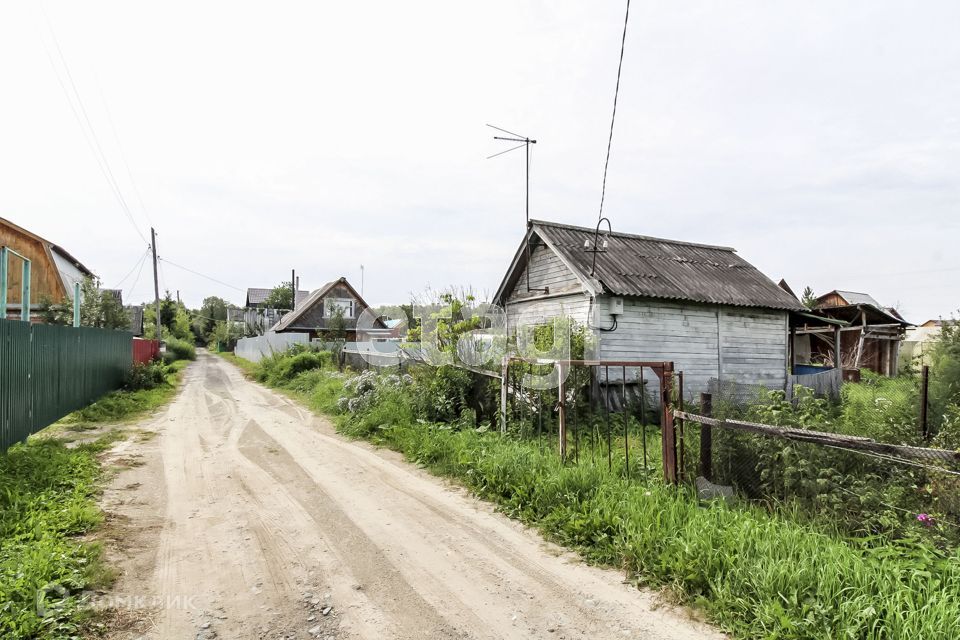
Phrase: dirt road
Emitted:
{"points": [[247, 517]]}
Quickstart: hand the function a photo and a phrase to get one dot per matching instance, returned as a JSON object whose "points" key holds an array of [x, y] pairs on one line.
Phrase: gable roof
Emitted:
{"points": [[853, 297], [635, 265], [256, 295], [288, 320], [54, 247]]}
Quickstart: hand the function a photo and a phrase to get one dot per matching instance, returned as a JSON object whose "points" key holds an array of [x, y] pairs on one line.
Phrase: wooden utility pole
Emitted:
{"points": [[156, 281]]}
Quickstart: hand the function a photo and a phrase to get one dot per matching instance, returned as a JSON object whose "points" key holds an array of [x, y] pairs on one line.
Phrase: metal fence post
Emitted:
{"points": [[706, 437], [3, 283], [668, 448], [25, 295]]}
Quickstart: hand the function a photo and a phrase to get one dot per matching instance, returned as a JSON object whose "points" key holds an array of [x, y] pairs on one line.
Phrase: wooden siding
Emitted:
{"points": [[541, 310], [45, 279], [546, 271], [704, 341]]}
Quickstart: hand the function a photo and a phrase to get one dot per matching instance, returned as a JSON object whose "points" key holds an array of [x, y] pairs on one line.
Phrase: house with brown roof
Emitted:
{"points": [[700, 306], [53, 271], [335, 304]]}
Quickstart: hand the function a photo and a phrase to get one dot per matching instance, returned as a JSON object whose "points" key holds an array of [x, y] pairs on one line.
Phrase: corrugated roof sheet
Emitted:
{"points": [[853, 297], [634, 265], [258, 296]]}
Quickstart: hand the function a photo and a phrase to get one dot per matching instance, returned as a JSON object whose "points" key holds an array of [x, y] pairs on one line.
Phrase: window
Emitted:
{"points": [[329, 304]]}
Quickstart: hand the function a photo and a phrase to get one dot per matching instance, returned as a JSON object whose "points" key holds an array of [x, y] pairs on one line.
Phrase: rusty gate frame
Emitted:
{"points": [[665, 373]]}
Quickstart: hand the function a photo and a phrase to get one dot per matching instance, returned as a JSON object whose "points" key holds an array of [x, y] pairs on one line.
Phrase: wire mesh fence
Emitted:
{"points": [[864, 465]]}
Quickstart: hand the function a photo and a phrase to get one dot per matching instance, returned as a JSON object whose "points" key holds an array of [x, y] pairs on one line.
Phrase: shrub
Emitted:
{"points": [[148, 375], [181, 349]]}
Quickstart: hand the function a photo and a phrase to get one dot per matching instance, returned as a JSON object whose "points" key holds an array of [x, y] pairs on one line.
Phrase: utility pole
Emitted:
{"points": [[178, 297], [361, 281], [293, 289], [156, 282]]}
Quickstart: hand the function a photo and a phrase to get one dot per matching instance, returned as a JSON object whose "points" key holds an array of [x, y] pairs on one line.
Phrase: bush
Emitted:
{"points": [[181, 349], [148, 375]]}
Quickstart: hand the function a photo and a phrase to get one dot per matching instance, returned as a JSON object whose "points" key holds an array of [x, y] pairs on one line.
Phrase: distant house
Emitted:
{"points": [[256, 317], [53, 271], [316, 313], [870, 336], [701, 306], [918, 341]]}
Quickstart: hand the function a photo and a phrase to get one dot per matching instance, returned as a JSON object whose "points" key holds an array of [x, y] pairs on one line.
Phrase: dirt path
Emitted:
{"points": [[248, 517]]}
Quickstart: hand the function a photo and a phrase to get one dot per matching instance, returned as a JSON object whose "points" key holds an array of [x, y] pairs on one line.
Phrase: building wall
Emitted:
{"points": [[735, 344], [44, 281], [546, 270]]}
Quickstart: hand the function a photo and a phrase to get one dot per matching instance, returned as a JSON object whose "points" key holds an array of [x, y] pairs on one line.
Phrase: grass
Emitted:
{"points": [[48, 491], [125, 406], [47, 500], [757, 574]]}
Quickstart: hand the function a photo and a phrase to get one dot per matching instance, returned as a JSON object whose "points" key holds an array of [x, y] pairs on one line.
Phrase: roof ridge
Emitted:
{"points": [[637, 236]]}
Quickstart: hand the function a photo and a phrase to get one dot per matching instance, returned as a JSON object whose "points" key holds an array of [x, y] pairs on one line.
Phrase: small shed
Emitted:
{"points": [[701, 306], [871, 337]]}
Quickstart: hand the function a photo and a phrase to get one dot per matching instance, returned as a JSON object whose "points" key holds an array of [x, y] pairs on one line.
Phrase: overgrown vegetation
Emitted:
{"points": [[99, 308], [760, 572], [46, 503], [147, 388]]}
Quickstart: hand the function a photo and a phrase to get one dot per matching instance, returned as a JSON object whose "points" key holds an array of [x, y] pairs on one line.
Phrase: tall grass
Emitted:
{"points": [[757, 574], [46, 500]]}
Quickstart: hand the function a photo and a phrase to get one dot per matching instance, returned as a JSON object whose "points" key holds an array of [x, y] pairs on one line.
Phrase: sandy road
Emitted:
{"points": [[247, 517]]}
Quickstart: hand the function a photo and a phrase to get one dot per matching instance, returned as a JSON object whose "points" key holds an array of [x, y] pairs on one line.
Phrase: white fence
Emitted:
{"points": [[254, 349]]}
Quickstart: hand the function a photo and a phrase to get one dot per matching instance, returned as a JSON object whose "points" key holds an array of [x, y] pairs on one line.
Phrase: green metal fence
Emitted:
{"points": [[48, 371]]}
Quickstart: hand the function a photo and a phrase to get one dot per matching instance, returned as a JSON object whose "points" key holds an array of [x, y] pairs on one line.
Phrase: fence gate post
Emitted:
{"points": [[924, 401], [706, 437], [504, 381], [669, 436], [562, 412]]}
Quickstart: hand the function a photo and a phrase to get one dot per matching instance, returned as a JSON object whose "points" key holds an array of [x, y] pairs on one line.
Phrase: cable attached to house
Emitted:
{"points": [[613, 118]]}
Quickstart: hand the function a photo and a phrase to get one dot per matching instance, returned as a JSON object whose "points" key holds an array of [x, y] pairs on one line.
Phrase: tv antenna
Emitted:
{"points": [[525, 142]]}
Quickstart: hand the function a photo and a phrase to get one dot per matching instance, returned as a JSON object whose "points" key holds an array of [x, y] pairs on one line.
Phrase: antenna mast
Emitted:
{"points": [[525, 142]]}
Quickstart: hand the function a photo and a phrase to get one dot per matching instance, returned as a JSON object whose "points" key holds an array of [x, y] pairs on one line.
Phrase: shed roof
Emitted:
{"points": [[635, 265], [854, 297]]}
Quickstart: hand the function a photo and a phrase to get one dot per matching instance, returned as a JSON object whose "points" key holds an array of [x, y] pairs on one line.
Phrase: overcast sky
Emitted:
{"points": [[821, 139]]}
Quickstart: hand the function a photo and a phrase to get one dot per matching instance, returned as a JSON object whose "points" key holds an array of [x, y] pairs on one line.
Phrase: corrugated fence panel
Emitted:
{"points": [[48, 371]]}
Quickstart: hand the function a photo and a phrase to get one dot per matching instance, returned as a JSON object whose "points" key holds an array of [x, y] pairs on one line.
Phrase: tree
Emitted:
{"points": [[101, 308], [336, 330], [281, 297], [808, 298], [212, 311]]}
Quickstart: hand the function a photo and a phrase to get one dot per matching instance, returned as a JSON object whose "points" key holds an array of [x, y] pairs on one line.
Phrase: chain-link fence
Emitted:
{"points": [[864, 465]]}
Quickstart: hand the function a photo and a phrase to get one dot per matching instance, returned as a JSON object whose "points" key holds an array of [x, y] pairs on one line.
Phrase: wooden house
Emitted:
{"points": [[53, 271], [870, 337], [701, 306], [315, 315]]}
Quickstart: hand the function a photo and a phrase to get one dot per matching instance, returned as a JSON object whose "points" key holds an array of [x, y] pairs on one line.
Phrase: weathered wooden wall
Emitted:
{"points": [[743, 345]]}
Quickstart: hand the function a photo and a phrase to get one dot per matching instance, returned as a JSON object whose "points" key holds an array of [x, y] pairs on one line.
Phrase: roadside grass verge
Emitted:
{"points": [[47, 500], [48, 491], [123, 405], [757, 574]]}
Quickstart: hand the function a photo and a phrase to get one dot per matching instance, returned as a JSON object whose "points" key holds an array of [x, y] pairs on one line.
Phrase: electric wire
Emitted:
{"points": [[613, 118], [123, 158], [197, 273], [91, 137], [133, 268]]}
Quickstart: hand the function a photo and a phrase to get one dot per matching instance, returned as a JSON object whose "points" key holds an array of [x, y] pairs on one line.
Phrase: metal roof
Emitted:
{"points": [[258, 296], [853, 297], [634, 265]]}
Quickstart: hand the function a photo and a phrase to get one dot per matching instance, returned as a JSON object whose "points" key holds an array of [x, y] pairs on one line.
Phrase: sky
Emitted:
{"points": [[820, 139]]}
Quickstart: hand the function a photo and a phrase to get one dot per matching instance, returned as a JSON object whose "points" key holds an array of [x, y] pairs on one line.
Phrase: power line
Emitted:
{"points": [[123, 157], [133, 268], [202, 275], [137, 278], [613, 118], [91, 138]]}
